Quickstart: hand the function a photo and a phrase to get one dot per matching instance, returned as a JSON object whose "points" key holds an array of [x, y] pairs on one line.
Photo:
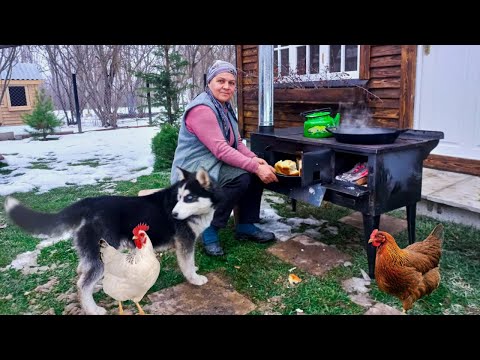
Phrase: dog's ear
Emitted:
{"points": [[182, 174], [203, 178]]}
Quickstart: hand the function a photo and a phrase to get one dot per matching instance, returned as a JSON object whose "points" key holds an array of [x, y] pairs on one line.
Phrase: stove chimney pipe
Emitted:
{"points": [[265, 88]]}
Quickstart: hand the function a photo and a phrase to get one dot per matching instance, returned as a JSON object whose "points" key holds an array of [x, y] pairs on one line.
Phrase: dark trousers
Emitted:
{"points": [[245, 191]]}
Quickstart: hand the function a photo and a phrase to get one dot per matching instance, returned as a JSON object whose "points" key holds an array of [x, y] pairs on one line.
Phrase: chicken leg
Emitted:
{"points": [[120, 308], [140, 310]]}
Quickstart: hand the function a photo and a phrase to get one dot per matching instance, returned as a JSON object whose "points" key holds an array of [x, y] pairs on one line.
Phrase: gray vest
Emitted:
{"points": [[192, 154]]}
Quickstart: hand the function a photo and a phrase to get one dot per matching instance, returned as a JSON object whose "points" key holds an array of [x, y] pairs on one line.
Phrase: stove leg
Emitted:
{"points": [[294, 205], [411, 216], [369, 224]]}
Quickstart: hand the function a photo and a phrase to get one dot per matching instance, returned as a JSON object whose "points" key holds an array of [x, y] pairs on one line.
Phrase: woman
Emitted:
{"points": [[209, 138]]}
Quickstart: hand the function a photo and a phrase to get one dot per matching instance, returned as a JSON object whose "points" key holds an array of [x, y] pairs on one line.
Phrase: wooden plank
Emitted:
{"points": [[386, 113], [250, 52], [250, 94], [277, 124], [380, 122], [240, 100], [282, 116], [384, 103], [250, 59], [251, 67], [364, 62], [384, 72], [319, 95], [384, 83], [250, 46], [248, 113], [450, 163], [407, 85], [251, 101], [391, 60], [250, 107], [249, 80], [386, 93], [384, 50]]}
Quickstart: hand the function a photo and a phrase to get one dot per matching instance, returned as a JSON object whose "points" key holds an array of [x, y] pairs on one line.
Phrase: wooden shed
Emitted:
{"points": [[383, 90], [19, 97]]}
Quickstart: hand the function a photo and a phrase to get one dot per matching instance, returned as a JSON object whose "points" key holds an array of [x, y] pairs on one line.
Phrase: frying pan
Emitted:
{"points": [[365, 135]]}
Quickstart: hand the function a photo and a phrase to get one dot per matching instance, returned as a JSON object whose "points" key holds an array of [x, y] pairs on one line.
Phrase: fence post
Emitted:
{"points": [[77, 106], [149, 101]]}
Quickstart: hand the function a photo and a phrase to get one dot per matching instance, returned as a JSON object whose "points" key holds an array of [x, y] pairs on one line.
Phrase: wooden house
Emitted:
{"points": [[19, 96], [428, 87]]}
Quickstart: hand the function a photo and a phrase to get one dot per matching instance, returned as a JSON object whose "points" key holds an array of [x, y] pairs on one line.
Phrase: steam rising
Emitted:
{"points": [[357, 115]]}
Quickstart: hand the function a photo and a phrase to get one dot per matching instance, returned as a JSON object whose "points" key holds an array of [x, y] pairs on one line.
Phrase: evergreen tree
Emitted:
{"points": [[165, 89], [42, 118]]}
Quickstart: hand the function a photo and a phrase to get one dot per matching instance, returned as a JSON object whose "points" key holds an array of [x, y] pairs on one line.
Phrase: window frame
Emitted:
{"points": [[324, 59], [27, 98]]}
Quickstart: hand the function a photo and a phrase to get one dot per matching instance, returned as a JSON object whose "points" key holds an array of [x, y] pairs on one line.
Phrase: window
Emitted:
{"points": [[316, 62], [17, 96]]}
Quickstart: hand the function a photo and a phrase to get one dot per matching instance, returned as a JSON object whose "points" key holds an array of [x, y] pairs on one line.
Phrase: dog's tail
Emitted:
{"points": [[58, 225]]}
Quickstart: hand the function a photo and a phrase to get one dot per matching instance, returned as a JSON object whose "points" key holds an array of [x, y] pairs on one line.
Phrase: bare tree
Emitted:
{"points": [[136, 58], [195, 54], [7, 62], [104, 81], [60, 66]]}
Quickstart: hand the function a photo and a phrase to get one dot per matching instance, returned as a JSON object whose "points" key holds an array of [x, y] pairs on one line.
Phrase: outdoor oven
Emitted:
{"points": [[394, 159], [394, 173]]}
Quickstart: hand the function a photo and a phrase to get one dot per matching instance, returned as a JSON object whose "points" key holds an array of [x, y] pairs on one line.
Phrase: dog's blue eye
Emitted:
{"points": [[189, 198]]}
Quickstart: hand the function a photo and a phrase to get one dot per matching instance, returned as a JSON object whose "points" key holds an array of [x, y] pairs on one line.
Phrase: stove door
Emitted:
{"points": [[317, 167]]}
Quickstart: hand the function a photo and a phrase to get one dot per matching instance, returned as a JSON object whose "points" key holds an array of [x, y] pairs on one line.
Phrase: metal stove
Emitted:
{"points": [[394, 173]]}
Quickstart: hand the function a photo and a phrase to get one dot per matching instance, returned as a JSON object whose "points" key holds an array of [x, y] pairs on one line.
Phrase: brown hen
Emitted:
{"points": [[408, 273]]}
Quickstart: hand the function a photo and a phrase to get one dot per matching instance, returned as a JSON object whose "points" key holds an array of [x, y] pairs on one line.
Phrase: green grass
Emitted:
{"points": [[87, 162], [42, 165], [248, 267]]}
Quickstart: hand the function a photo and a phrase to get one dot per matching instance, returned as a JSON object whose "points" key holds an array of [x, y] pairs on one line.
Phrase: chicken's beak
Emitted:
{"points": [[134, 238], [371, 240]]}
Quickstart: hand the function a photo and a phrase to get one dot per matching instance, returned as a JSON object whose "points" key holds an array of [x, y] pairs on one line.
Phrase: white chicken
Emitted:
{"points": [[128, 276]]}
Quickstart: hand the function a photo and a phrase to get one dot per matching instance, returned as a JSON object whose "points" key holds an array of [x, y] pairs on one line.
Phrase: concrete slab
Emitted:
{"points": [[309, 255], [7, 136], [464, 194], [388, 223], [444, 212], [383, 309], [435, 180], [216, 297]]}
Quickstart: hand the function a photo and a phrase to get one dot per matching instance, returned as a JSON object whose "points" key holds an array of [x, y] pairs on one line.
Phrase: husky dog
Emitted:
{"points": [[176, 215]]}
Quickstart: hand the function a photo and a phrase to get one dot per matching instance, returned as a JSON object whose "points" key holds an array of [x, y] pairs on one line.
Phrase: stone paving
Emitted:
{"points": [[388, 223], [216, 297]]}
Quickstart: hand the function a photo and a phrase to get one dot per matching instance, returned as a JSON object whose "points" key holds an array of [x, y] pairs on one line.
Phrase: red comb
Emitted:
{"points": [[139, 227], [374, 233]]}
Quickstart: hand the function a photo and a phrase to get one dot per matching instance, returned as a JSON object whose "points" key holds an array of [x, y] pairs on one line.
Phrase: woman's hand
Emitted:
{"points": [[266, 173], [260, 161]]}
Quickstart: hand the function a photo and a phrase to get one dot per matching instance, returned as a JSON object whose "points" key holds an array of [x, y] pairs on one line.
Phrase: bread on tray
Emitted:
{"points": [[287, 167]]}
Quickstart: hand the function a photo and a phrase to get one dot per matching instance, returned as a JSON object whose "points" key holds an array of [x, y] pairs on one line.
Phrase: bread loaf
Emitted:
{"points": [[287, 167]]}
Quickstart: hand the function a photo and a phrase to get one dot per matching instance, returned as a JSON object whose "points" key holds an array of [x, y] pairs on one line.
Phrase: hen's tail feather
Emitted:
{"points": [[431, 281], [59, 224], [438, 232]]}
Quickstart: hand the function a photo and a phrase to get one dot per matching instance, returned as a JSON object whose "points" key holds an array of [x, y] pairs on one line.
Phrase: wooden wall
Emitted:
{"points": [[390, 71], [387, 102], [14, 117], [392, 84]]}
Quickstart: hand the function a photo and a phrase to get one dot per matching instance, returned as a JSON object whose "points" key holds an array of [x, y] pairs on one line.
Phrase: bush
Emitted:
{"points": [[164, 145], [42, 119]]}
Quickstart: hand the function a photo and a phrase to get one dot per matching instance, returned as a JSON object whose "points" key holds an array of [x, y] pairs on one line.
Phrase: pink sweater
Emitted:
{"points": [[202, 122]]}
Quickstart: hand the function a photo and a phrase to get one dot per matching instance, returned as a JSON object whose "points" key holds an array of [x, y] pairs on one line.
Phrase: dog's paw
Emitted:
{"points": [[198, 280], [98, 310]]}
